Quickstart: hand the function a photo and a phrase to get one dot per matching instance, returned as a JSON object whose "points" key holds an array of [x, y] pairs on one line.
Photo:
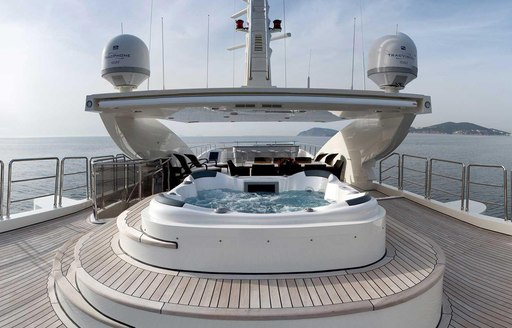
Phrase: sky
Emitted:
{"points": [[50, 53]]}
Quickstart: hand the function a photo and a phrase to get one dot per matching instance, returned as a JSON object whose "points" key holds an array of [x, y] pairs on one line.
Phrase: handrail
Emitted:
{"points": [[504, 186], [425, 172], [461, 180], [201, 148], [1, 189], [465, 180], [398, 165], [10, 181], [95, 159], [98, 169], [63, 174]]}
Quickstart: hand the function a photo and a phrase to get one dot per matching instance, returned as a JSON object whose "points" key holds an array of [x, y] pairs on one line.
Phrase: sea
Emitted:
{"points": [[487, 150]]}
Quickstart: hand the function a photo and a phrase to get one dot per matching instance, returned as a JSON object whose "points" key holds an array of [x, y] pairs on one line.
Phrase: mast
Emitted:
{"points": [[257, 48], [257, 51], [257, 42]]}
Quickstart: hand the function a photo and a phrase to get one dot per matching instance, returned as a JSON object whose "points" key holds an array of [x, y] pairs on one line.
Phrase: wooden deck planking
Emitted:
{"points": [[208, 293], [480, 292], [27, 256], [303, 293], [477, 278]]}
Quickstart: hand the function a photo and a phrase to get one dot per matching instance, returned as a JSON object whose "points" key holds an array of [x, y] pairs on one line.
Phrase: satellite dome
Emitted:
{"points": [[392, 62], [125, 62]]}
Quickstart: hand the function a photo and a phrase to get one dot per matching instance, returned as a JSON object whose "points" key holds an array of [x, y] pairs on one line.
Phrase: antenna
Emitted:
{"points": [[309, 69], [233, 41], [207, 50], [353, 54], [284, 31], [396, 32], [362, 46], [122, 28], [163, 57], [150, 24]]}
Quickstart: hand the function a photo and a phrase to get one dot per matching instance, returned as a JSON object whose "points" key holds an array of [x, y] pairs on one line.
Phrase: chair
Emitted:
{"points": [[238, 170], [200, 163], [303, 160], [194, 161], [184, 165], [263, 169], [289, 168], [172, 175], [330, 158], [308, 167], [338, 169], [320, 156], [213, 157], [262, 160]]}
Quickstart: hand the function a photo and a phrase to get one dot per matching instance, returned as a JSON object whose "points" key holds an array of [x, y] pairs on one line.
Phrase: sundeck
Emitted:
{"points": [[375, 256]]}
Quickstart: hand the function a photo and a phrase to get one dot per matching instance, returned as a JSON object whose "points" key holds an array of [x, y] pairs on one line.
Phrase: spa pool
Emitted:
{"points": [[347, 232]]}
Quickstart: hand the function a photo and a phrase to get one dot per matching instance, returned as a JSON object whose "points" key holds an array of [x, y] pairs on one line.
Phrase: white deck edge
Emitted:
{"points": [[25, 219], [479, 220]]}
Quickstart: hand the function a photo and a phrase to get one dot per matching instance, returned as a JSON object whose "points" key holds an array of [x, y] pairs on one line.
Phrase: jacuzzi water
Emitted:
{"points": [[261, 202]]}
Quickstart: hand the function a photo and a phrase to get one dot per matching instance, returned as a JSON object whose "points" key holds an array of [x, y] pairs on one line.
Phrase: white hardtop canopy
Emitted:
{"points": [[257, 104]]}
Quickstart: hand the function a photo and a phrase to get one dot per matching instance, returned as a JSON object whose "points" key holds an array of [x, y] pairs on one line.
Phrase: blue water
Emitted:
{"points": [[23, 148], [494, 150], [467, 149], [260, 203]]}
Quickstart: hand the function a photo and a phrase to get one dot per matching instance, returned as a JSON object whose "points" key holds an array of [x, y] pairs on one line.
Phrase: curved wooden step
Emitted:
{"points": [[112, 281], [74, 306]]}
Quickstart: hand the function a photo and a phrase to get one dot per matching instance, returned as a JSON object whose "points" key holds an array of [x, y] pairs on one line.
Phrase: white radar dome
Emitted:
{"points": [[125, 62], [392, 62]]}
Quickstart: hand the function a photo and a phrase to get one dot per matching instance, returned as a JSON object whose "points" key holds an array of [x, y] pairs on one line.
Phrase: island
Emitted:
{"points": [[318, 132], [462, 128]]}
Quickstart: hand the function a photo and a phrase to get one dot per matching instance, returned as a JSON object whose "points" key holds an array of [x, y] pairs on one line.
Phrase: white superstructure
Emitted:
{"points": [[382, 119]]}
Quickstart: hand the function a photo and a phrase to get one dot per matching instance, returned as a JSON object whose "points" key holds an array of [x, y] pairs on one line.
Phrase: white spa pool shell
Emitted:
{"points": [[350, 232]]}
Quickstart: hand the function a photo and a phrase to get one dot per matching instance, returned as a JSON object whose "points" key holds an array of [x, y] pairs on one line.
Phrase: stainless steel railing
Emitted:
{"points": [[423, 173], [1, 189], [103, 176], [429, 171], [433, 174], [63, 174], [11, 182], [201, 149], [389, 169], [138, 185], [503, 187]]}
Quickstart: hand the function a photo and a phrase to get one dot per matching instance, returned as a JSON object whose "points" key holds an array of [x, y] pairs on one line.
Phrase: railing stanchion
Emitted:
{"points": [[140, 182], [9, 189], [463, 187], [468, 183], [10, 182], [397, 166], [1, 190], [426, 179], [87, 181], [505, 194], [429, 188], [503, 186], [401, 174], [61, 181]]}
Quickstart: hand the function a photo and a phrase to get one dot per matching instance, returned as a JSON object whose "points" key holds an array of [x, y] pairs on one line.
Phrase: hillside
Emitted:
{"points": [[463, 128], [318, 132]]}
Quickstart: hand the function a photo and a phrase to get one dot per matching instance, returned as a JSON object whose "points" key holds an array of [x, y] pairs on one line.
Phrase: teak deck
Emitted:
{"points": [[410, 261], [477, 280]]}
